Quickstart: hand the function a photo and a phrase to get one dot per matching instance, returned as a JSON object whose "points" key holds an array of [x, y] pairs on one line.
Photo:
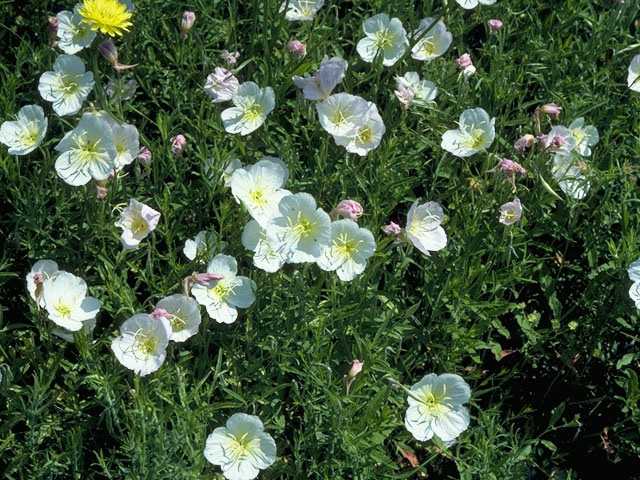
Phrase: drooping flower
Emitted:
{"points": [[510, 212], [221, 85], [433, 43], [468, 4], [252, 105], [423, 92], [348, 209], [88, 152], [67, 86], [183, 315], [73, 33], [254, 238], [137, 221], [367, 136], [551, 109], [476, 132], [320, 85], [494, 25], [301, 230], [423, 227], [348, 250], [142, 343], [260, 189], [229, 294], [242, 448], [385, 37], [230, 57], [108, 16], [585, 136], [27, 132], [178, 143], [560, 140], [342, 114], [436, 407], [298, 48], [301, 9], [203, 247], [568, 172], [524, 143], [633, 77], [42, 270], [66, 301]]}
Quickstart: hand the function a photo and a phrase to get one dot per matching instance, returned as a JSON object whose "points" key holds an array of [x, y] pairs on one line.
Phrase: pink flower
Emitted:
{"points": [[405, 95], [101, 192], [494, 25], [221, 85], [230, 57], [551, 109], [509, 166], [207, 279], [510, 212], [298, 49], [144, 155], [356, 368], [348, 209], [38, 278], [392, 229], [542, 138], [53, 31], [464, 61], [524, 143], [160, 313], [178, 143], [188, 18]]}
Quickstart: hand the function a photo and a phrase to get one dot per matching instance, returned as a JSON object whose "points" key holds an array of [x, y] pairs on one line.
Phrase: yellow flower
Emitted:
{"points": [[109, 16]]}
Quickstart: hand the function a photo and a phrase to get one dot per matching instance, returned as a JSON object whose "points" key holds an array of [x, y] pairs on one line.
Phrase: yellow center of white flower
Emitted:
{"points": [[427, 46], [510, 215], [68, 84], [579, 135], [145, 343], [253, 113], [432, 404], [30, 133], [364, 134], [221, 291], [341, 115], [177, 322], [240, 446], [303, 227], [138, 225], [257, 197], [63, 309], [383, 39], [345, 247], [86, 151]]}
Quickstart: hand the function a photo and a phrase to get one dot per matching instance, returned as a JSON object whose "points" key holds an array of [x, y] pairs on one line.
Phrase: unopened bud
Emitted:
{"points": [[188, 19], [109, 51], [208, 280], [494, 25], [348, 209], [551, 109], [53, 31], [159, 313], [356, 368], [298, 48], [178, 143], [144, 156]]}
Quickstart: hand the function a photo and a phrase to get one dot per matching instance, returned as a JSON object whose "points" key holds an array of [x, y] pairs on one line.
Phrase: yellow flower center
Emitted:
{"points": [[108, 16], [428, 47], [221, 291], [384, 39], [138, 225], [253, 113], [63, 309], [364, 134], [177, 322], [345, 246], [257, 197], [510, 215]]}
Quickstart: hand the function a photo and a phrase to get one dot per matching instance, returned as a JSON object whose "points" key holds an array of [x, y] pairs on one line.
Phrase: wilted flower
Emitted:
{"points": [[405, 95], [422, 92], [73, 33], [144, 156], [468, 4], [475, 133], [432, 44], [252, 105], [108, 16], [384, 36], [348, 209], [142, 343], [254, 238], [392, 229], [66, 301], [298, 48], [349, 248], [551, 109], [423, 227], [510, 169], [510, 212], [188, 19], [324, 80], [464, 61], [524, 143], [137, 221], [467, 72], [634, 74], [53, 31], [301, 9], [178, 143], [67, 86], [27, 132], [242, 448], [585, 136], [494, 25], [221, 85], [230, 57], [209, 280], [560, 140]]}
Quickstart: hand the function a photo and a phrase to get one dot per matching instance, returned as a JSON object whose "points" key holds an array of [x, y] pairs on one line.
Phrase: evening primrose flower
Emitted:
{"points": [[67, 86], [567, 170], [25, 134], [125, 140], [137, 221], [320, 85], [423, 227], [633, 271], [254, 238], [301, 9], [242, 448], [260, 189], [227, 174], [87, 152], [88, 326], [252, 105], [634, 275], [560, 140], [341, 114], [510, 212], [142, 343], [183, 315], [436, 407], [348, 250], [634, 293], [230, 293], [475, 133], [202, 247], [424, 91], [468, 4], [367, 136], [42, 270], [432, 44], [300, 230], [66, 301], [221, 85], [633, 77], [73, 33], [585, 136], [108, 16], [383, 36]]}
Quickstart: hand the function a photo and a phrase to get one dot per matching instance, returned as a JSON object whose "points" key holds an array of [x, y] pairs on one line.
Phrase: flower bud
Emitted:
{"points": [[230, 57], [178, 143], [464, 61], [159, 313], [144, 156], [298, 49], [101, 192], [38, 278], [494, 25], [188, 18], [348, 209], [551, 109], [356, 368], [509, 166], [207, 279], [524, 143], [392, 229], [109, 51], [53, 31]]}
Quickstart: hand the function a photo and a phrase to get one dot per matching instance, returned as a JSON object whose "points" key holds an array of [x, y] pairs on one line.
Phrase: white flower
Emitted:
{"points": [[67, 86], [423, 227], [634, 293], [301, 230], [232, 291], [221, 85], [42, 270], [137, 221], [348, 251], [203, 247], [468, 4], [233, 165], [254, 238], [73, 33], [383, 36], [88, 326], [585, 137], [436, 407], [242, 448], [25, 134], [567, 170], [184, 316], [633, 271], [424, 91], [301, 9], [65, 298], [142, 343], [633, 79], [476, 132], [341, 114], [252, 105], [560, 140], [324, 80], [510, 212], [125, 140], [259, 188], [434, 43], [87, 152], [367, 136]]}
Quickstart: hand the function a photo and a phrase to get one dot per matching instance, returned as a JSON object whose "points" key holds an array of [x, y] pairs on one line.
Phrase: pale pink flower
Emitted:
{"points": [[509, 166], [348, 209], [188, 19], [494, 25], [101, 192], [160, 313], [144, 155], [392, 229], [230, 57], [137, 221], [405, 95], [221, 85], [298, 48], [551, 109], [178, 143], [464, 61], [510, 212], [524, 143], [542, 138], [207, 279]]}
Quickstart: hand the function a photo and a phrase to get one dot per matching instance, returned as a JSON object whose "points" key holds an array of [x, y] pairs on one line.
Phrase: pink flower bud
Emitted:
{"points": [[542, 138], [298, 49], [230, 57], [551, 109], [101, 192], [53, 31], [144, 155], [356, 368], [109, 51], [178, 143], [524, 143], [509, 166], [38, 279], [494, 25], [558, 141], [207, 279], [348, 209], [188, 18], [392, 229], [464, 61], [159, 313], [112, 175]]}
